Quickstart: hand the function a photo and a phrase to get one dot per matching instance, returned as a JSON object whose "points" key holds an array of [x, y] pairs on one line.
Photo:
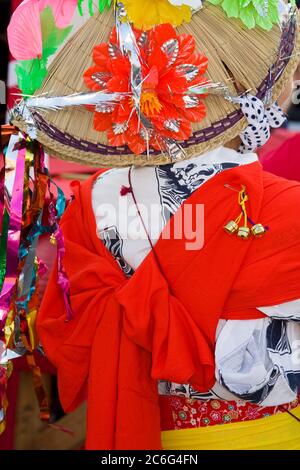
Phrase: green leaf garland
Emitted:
{"points": [[102, 4], [263, 13]]}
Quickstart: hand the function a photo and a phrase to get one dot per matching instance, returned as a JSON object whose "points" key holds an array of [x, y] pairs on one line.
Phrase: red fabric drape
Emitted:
{"points": [[161, 324]]}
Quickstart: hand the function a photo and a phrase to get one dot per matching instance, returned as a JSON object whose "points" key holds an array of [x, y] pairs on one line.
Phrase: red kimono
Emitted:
{"points": [[127, 334]]}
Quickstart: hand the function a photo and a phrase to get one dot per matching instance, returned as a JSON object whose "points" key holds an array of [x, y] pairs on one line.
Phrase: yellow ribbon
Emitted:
{"points": [[242, 199]]}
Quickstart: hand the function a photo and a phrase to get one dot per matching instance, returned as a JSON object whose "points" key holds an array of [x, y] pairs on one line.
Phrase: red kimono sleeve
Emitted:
{"points": [[124, 336], [68, 344]]}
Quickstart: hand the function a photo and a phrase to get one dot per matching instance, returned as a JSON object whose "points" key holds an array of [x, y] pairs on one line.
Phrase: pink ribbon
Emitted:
{"points": [[2, 179], [63, 280], [62, 277], [14, 236]]}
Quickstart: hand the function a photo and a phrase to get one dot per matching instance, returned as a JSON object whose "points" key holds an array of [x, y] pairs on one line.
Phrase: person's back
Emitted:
{"points": [[179, 273]]}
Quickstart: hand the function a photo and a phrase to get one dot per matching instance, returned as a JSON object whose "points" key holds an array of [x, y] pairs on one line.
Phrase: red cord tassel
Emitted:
{"points": [[125, 190]]}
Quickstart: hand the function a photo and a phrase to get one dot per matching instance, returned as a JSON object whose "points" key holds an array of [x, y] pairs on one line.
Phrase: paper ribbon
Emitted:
{"points": [[55, 213], [13, 239]]}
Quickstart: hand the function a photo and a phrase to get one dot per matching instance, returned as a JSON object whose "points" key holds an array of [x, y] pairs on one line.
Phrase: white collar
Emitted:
{"points": [[220, 155]]}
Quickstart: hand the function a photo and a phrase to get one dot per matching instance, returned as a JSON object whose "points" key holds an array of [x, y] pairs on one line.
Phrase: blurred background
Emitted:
{"points": [[24, 428]]}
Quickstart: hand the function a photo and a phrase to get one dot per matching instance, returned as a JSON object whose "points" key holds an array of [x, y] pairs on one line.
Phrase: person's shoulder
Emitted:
{"points": [[110, 178], [280, 209], [82, 189], [80, 200]]}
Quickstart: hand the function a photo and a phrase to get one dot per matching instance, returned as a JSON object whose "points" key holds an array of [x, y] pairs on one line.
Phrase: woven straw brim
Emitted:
{"points": [[233, 51]]}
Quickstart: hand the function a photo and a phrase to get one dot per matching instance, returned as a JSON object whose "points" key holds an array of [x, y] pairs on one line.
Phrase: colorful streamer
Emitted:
{"points": [[14, 236], [26, 183]]}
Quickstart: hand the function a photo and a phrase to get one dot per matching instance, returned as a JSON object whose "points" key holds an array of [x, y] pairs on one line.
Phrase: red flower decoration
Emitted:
{"points": [[170, 67]]}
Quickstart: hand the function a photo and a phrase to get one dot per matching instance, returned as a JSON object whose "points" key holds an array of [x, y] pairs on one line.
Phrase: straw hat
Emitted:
{"points": [[250, 57]]}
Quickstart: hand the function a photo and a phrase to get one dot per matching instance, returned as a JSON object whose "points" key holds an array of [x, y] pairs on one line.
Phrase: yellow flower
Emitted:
{"points": [[145, 14]]}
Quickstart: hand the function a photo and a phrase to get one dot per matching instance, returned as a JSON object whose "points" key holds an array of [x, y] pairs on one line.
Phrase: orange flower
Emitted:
{"points": [[170, 67]]}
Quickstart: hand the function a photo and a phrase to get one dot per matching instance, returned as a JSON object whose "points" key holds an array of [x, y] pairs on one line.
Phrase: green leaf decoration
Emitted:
{"points": [[252, 12], [32, 73], [102, 4]]}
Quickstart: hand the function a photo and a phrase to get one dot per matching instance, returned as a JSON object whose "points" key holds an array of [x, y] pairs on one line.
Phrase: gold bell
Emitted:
{"points": [[232, 227], [53, 239], [258, 230], [244, 233]]}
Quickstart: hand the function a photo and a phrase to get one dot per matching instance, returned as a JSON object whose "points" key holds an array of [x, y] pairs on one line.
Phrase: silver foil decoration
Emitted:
{"points": [[101, 78], [146, 134], [210, 88], [188, 71], [105, 108], [172, 125], [130, 48], [171, 49], [119, 128], [175, 151], [77, 99], [21, 112], [191, 101], [114, 51], [143, 40]]}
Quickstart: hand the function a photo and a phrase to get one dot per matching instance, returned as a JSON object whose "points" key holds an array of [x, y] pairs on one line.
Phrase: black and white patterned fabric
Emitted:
{"points": [[177, 183], [260, 120], [114, 243], [259, 360]]}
